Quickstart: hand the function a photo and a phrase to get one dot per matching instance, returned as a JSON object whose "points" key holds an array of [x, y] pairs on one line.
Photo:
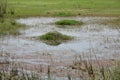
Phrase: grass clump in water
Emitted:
{"points": [[9, 27], [68, 22], [54, 38]]}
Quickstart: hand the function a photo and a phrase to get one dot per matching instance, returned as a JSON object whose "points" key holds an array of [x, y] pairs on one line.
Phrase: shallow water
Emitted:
{"points": [[91, 40]]}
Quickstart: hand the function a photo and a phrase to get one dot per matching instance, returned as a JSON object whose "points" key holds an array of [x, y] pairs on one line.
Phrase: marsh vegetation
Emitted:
{"points": [[54, 38], [86, 70], [10, 27], [115, 22], [68, 22], [45, 58], [41, 54]]}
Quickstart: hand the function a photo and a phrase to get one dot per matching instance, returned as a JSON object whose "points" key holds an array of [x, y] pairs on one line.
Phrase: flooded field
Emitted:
{"points": [[92, 40]]}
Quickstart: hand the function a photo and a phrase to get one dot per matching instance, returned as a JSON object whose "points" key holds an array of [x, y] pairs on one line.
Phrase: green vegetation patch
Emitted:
{"points": [[54, 38], [10, 27], [68, 22]]}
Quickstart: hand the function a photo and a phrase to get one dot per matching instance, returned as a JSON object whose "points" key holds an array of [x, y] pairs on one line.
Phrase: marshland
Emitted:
{"points": [[59, 40]]}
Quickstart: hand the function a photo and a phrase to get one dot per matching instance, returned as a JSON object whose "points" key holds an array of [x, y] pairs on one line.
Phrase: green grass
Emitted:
{"points": [[68, 22], [10, 27], [26, 8], [54, 38]]}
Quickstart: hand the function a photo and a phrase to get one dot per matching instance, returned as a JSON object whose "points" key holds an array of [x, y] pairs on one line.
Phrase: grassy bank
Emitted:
{"points": [[10, 27], [26, 8]]}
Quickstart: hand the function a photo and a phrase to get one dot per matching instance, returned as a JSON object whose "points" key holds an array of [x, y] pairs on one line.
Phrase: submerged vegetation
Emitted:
{"points": [[113, 22], [54, 38], [68, 22]]}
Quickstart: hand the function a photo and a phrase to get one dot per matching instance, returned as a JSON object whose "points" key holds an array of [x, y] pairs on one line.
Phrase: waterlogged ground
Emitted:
{"points": [[92, 40]]}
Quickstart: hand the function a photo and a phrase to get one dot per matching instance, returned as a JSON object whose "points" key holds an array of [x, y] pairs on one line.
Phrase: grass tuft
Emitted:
{"points": [[54, 38], [68, 22]]}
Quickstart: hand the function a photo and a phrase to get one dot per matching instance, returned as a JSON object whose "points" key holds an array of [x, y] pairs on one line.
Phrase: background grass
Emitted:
{"points": [[26, 8]]}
